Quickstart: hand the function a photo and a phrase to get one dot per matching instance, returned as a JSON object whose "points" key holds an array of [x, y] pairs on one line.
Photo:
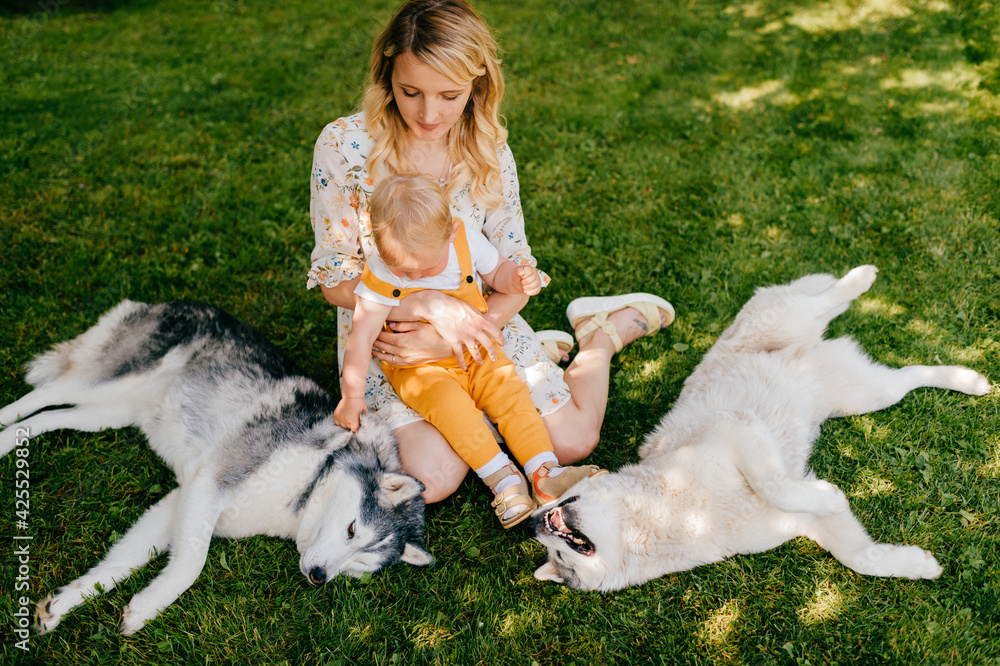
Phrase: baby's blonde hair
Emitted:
{"points": [[409, 215], [450, 38]]}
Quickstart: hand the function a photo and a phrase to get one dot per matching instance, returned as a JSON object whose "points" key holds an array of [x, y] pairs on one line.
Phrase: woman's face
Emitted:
{"points": [[429, 102]]}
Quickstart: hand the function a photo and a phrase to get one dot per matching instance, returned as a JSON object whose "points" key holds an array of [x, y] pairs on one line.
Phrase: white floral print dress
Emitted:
{"points": [[340, 187]]}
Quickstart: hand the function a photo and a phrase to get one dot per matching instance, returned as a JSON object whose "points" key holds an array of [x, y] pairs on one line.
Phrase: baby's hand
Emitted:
{"points": [[531, 282], [348, 413]]}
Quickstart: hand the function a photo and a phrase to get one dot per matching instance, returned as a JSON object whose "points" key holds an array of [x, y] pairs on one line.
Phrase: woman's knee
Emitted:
{"points": [[440, 483], [573, 445], [425, 454]]}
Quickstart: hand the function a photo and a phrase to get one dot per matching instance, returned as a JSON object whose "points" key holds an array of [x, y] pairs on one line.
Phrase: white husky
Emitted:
{"points": [[725, 472], [251, 441]]}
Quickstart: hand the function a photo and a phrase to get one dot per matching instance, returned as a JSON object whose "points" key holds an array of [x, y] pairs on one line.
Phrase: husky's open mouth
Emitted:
{"points": [[554, 523]]}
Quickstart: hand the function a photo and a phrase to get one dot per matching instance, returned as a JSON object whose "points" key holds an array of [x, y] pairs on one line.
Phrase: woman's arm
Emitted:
{"points": [[431, 306], [453, 326], [412, 342], [342, 294], [337, 212]]}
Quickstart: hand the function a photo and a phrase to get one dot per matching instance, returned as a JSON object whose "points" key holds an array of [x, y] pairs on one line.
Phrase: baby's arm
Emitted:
{"points": [[510, 278], [369, 317]]}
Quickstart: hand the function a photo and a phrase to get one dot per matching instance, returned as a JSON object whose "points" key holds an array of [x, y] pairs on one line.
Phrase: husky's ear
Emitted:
{"points": [[548, 571], [398, 488], [374, 435], [415, 554]]}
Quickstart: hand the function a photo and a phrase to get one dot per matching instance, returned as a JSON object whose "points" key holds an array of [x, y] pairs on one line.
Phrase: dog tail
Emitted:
{"points": [[59, 361], [49, 366]]}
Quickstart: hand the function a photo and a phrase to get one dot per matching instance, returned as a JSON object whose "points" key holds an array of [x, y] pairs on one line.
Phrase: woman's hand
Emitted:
{"points": [[411, 343], [454, 326]]}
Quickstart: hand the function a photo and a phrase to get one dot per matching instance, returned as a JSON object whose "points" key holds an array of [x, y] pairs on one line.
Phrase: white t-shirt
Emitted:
{"points": [[483, 255]]}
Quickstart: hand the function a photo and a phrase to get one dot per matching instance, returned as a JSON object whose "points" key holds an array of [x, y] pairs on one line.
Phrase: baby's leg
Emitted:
{"points": [[500, 392], [497, 389], [441, 396]]}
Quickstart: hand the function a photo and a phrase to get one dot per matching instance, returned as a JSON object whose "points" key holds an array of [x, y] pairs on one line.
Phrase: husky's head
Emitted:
{"points": [[362, 514], [595, 537]]}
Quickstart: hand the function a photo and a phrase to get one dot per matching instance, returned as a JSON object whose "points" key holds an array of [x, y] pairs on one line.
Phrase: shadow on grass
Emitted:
{"points": [[52, 7]]}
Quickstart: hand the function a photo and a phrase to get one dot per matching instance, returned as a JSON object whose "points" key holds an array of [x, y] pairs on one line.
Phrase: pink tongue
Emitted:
{"points": [[557, 520]]}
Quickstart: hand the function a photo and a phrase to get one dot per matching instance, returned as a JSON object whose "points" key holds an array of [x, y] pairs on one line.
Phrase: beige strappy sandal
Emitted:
{"points": [[547, 489], [517, 497], [555, 343], [598, 308]]}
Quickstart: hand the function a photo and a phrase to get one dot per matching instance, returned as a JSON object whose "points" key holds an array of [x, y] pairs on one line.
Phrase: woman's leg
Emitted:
{"points": [[575, 428], [426, 455]]}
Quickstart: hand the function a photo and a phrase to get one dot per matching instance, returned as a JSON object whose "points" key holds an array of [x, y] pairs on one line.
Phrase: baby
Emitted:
{"points": [[420, 246]]}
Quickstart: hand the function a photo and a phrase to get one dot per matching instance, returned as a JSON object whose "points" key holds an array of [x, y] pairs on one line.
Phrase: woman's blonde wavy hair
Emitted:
{"points": [[450, 38]]}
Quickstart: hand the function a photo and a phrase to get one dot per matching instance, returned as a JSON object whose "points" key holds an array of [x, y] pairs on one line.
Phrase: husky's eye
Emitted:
{"points": [[350, 530]]}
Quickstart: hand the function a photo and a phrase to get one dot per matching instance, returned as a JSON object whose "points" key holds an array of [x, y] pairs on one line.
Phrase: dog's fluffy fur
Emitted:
{"points": [[250, 438], [726, 472]]}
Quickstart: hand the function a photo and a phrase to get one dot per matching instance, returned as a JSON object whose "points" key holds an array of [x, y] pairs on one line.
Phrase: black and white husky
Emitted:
{"points": [[726, 471], [250, 438]]}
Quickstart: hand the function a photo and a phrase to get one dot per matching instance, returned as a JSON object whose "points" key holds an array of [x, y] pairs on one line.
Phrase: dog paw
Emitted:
{"points": [[930, 568], [834, 500], [898, 562], [915, 562], [860, 279], [45, 619], [135, 618], [971, 382], [131, 622], [824, 498]]}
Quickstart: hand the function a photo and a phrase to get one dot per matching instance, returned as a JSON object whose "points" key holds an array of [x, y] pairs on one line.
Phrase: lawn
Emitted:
{"points": [[697, 149]]}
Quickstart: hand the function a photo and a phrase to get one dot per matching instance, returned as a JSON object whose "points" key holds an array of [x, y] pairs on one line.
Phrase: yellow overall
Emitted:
{"points": [[450, 398]]}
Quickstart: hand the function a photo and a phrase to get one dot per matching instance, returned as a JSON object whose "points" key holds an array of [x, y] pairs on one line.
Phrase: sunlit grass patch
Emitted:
{"points": [[826, 604]]}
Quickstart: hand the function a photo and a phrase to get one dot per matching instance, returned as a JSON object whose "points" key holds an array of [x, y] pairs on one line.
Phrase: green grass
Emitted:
{"points": [[697, 149]]}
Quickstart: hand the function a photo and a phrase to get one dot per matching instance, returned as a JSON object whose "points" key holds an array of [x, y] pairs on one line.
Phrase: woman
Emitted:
{"points": [[432, 106]]}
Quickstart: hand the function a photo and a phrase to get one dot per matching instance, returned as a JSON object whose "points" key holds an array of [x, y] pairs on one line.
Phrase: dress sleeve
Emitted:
{"points": [[334, 212], [504, 226]]}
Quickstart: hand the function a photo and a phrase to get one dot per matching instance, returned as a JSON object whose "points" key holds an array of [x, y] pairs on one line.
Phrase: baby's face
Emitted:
{"points": [[422, 264]]}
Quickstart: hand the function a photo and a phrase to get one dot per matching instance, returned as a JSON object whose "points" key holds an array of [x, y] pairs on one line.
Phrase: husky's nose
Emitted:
{"points": [[317, 575]]}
